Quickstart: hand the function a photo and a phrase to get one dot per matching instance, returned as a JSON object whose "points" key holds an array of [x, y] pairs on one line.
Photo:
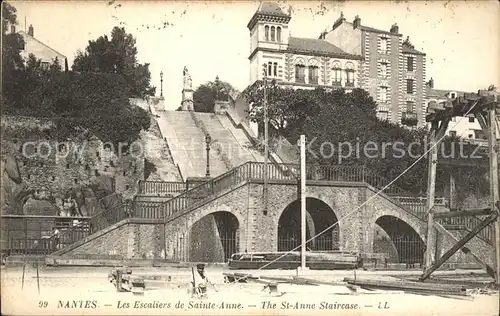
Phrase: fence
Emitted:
{"points": [[468, 223], [410, 249], [34, 235], [161, 188]]}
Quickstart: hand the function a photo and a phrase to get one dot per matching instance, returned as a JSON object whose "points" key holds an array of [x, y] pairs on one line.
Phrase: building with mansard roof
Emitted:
{"points": [[346, 56], [294, 61]]}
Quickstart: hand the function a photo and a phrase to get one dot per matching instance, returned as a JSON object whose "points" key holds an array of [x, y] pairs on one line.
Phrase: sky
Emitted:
{"points": [[211, 38]]}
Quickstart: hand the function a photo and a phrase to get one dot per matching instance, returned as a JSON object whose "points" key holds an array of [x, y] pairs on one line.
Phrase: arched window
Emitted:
{"points": [[313, 71], [266, 32], [273, 35], [278, 34], [300, 73], [350, 74], [337, 75]]}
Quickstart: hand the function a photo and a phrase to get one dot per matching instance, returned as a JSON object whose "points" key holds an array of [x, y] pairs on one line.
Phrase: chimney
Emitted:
{"points": [[431, 83], [395, 28], [357, 22], [31, 31], [13, 29]]}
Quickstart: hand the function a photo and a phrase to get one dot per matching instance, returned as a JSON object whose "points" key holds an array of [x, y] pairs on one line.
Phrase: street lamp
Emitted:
{"points": [[161, 84], [266, 140], [208, 139]]}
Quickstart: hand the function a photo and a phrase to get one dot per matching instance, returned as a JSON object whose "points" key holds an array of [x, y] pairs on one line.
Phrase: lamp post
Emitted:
{"points": [[266, 141], [161, 84], [208, 139]]}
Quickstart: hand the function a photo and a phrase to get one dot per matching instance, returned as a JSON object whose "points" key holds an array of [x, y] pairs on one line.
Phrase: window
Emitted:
{"points": [[273, 34], [383, 70], [45, 65], [22, 45], [409, 86], [453, 133], [471, 119], [383, 94], [266, 32], [409, 63], [350, 77], [272, 69], [383, 45], [453, 95], [337, 76], [383, 115], [278, 34], [410, 106], [313, 74], [471, 136], [300, 73], [349, 74]]}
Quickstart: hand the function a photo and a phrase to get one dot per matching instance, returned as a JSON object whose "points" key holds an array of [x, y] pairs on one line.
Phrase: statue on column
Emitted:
{"points": [[187, 103], [188, 84]]}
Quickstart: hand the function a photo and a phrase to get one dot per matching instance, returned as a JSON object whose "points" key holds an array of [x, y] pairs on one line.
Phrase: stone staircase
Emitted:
{"points": [[224, 135], [187, 144]]}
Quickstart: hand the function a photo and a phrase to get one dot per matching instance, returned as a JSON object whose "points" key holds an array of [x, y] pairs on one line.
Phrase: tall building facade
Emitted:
{"points": [[346, 56], [297, 62], [393, 71]]}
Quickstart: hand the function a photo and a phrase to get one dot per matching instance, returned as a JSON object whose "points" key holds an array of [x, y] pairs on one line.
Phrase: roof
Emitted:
{"points": [[411, 50], [269, 10], [372, 29], [24, 34], [314, 45], [408, 47], [442, 93]]}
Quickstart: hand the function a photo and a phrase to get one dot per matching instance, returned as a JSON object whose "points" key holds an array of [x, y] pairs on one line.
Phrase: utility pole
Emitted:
{"points": [[431, 186], [493, 151], [303, 223], [266, 143]]}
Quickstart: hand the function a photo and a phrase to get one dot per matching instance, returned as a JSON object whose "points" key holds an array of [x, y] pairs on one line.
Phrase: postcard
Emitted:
{"points": [[250, 158]]}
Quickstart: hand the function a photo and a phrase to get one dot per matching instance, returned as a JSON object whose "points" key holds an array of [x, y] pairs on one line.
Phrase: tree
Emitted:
{"points": [[206, 94], [287, 108], [12, 61], [119, 56]]}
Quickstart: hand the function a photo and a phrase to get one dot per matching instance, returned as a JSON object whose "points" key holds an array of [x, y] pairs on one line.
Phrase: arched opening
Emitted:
{"points": [[320, 218], [278, 34], [214, 238], [398, 240], [266, 32], [273, 36]]}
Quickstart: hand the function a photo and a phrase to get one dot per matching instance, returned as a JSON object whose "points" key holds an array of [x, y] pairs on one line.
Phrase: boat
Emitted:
{"points": [[315, 260]]}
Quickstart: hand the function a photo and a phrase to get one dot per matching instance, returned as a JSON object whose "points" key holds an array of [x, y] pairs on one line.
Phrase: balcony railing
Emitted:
{"points": [[161, 188], [300, 79]]}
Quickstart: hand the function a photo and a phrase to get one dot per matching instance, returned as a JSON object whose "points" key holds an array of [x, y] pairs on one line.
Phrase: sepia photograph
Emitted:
{"points": [[250, 157]]}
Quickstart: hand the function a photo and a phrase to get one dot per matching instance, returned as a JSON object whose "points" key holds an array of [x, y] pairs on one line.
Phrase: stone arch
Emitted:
{"points": [[397, 238], [214, 237], [336, 64], [313, 62], [349, 65], [300, 61], [319, 220]]}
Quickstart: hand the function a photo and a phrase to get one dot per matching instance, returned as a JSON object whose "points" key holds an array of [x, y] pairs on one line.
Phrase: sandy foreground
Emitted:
{"points": [[87, 291]]}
